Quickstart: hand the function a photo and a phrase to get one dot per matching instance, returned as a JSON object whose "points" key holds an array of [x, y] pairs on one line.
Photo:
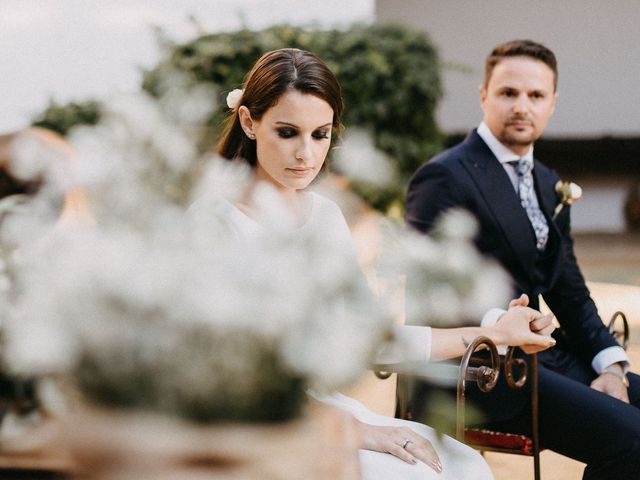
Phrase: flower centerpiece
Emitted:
{"points": [[160, 308], [156, 307], [29, 200]]}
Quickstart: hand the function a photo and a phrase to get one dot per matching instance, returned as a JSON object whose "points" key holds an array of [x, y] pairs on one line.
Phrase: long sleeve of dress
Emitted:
{"points": [[412, 344]]}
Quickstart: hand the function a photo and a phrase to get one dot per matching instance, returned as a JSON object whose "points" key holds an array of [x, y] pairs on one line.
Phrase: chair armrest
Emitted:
{"points": [[441, 373], [436, 373], [486, 376], [510, 364], [621, 334]]}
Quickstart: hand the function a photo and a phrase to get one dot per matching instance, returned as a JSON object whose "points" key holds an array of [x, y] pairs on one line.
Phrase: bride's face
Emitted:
{"points": [[292, 140]]}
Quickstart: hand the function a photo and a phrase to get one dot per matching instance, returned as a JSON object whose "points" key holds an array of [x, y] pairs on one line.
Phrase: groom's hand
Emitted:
{"points": [[612, 385], [515, 328], [543, 325]]}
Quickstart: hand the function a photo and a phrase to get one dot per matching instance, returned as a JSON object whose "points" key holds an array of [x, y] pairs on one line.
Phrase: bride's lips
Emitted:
{"points": [[300, 171]]}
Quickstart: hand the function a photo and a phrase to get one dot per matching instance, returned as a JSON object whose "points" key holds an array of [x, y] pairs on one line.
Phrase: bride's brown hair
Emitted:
{"points": [[274, 74]]}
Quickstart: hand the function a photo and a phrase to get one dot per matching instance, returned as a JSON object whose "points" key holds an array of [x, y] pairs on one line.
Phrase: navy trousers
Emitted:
{"points": [[581, 423]]}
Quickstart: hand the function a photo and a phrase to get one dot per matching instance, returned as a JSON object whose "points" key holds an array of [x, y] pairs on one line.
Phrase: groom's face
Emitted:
{"points": [[518, 101]]}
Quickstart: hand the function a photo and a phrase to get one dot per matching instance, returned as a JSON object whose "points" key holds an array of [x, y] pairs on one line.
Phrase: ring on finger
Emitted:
{"points": [[406, 442]]}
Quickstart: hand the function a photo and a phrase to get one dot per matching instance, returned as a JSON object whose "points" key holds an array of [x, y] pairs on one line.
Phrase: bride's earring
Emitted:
{"points": [[246, 123]]}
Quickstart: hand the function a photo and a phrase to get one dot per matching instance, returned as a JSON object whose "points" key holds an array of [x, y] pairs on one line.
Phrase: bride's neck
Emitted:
{"points": [[296, 201]]}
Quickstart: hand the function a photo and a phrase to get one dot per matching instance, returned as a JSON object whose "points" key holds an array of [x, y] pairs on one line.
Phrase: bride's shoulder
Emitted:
{"points": [[322, 204]]}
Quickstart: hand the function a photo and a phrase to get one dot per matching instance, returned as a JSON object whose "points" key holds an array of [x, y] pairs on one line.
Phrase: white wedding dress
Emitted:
{"points": [[459, 461]]}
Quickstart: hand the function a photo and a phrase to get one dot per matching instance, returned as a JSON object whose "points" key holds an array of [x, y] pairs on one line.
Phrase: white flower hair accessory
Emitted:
{"points": [[568, 192], [233, 98]]}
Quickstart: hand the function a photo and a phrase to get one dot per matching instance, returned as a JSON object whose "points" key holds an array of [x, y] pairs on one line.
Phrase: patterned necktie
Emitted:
{"points": [[527, 192]]}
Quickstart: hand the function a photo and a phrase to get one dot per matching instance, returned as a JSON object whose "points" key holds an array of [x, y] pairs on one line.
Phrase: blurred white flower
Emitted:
{"points": [[189, 104], [157, 292], [358, 159], [457, 224], [448, 282], [33, 159], [160, 305]]}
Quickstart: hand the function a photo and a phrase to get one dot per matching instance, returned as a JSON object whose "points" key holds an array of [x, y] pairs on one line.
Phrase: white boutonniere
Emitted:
{"points": [[568, 192], [233, 98]]}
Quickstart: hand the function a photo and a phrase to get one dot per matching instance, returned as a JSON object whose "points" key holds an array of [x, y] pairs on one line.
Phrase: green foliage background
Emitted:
{"points": [[390, 76], [62, 117]]}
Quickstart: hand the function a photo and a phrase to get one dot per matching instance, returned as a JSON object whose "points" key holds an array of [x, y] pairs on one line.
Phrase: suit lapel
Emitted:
{"points": [[501, 199]]}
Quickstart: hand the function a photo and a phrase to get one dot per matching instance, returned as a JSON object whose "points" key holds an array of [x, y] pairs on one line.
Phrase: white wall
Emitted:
{"points": [[73, 50], [597, 44]]}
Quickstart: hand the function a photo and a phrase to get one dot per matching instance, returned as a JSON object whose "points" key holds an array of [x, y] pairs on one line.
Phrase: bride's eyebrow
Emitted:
{"points": [[296, 126]]}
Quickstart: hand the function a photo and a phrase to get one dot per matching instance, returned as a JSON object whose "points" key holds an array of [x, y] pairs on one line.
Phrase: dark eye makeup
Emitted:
{"points": [[291, 132], [286, 132]]}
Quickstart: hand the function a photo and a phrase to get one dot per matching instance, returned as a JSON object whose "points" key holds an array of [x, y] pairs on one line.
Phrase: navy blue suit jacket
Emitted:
{"points": [[468, 175]]}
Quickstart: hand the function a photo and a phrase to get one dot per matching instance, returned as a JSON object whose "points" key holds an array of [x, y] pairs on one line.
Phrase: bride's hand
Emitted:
{"points": [[521, 301], [526, 328], [401, 442]]}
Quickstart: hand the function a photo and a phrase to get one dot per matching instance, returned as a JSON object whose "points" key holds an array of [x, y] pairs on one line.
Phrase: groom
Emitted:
{"points": [[588, 403]]}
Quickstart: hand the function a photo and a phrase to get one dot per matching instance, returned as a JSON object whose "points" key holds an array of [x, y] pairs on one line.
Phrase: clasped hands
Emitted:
{"points": [[539, 338], [525, 327]]}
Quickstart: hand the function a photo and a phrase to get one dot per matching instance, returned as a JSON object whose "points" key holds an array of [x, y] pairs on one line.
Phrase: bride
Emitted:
{"points": [[281, 124]]}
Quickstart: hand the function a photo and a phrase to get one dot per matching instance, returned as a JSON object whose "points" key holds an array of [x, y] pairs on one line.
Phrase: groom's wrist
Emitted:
{"points": [[617, 371]]}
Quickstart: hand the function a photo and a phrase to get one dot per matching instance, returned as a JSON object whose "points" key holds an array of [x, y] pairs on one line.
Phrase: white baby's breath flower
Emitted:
{"points": [[150, 292], [457, 223], [447, 280], [189, 104], [358, 159], [39, 155]]}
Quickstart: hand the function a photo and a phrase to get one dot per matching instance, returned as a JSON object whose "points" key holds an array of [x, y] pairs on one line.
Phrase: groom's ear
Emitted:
{"points": [[555, 100], [246, 122], [483, 93]]}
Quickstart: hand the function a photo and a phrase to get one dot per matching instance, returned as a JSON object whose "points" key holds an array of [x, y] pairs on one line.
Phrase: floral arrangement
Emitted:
{"points": [[157, 306], [568, 192], [447, 281], [21, 212]]}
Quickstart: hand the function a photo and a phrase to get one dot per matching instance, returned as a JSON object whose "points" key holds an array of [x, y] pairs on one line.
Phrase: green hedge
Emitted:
{"points": [[61, 118], [390, 76]]}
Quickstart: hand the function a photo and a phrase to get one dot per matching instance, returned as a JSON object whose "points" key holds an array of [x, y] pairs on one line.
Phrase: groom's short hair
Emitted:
{"points": [[521, 48]]}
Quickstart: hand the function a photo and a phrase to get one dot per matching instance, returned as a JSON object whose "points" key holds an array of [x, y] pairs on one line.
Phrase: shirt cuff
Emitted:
{"points": [[609, 356], [412, 343], [491, 317], [489, 320]]}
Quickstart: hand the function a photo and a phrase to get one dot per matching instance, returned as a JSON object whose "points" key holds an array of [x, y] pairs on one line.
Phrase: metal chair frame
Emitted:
{"points": [[480, 439], [620, 333], [485, 374]]}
